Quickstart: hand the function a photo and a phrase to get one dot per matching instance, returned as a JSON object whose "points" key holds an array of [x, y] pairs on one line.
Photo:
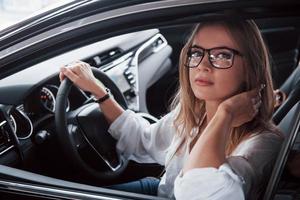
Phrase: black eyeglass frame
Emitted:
{"points": [[234, 51]]}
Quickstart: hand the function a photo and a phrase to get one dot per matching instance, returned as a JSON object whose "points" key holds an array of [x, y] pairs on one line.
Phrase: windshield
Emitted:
{"points": [[13, 11]]}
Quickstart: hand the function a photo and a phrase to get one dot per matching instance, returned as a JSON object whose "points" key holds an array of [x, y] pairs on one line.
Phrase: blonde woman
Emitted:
{"points": [[218, 141]]}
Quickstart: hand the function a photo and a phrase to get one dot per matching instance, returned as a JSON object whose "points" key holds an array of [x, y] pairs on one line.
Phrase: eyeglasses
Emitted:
{"points": [[219, 57]]}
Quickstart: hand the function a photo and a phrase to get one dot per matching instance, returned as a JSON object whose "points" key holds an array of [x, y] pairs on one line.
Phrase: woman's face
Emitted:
{"points": [[209, 83]]}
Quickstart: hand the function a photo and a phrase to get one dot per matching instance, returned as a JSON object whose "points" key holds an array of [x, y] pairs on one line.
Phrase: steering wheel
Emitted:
{"points": [[86, 128]]}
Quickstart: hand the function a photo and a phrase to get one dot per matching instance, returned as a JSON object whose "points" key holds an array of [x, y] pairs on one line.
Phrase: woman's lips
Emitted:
{"points": [[203, 82]]}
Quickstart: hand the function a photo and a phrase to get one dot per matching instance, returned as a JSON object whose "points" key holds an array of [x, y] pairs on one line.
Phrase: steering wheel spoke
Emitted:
{"points": [[71, 117], [78, 139]]}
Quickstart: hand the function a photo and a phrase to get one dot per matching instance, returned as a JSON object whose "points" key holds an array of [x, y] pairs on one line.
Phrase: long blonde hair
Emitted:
{"points": [[247, 35]]}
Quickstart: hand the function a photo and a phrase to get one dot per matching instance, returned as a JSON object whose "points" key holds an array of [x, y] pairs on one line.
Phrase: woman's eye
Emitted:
{"points": [[223, 55], [196, 54]]}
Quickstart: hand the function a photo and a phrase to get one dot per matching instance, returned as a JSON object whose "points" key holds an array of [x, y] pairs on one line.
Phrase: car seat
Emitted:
{"points": [[289, 126]]}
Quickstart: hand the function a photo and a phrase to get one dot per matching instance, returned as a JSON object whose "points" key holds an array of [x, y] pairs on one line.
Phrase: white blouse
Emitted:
{"points": [[241, 177]]}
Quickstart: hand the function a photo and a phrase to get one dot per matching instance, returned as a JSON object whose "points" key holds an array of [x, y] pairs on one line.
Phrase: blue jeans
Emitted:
{"points": [[148, 185]]}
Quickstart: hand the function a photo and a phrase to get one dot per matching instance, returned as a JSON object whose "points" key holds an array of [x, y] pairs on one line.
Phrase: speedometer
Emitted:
{"points": [[47, 99]]}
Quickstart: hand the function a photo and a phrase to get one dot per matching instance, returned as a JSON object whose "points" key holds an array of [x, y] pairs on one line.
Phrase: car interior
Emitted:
{"points": [[141, 70]]}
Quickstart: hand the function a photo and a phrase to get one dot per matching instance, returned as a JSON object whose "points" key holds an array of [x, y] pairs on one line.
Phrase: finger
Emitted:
{"points": [[254, 111], [262, 86], [84, 66], [257, 105], [257, 90], [61, 75], [256, 108], [256, 99], [253, 93], [76, 69], [70, 74]]}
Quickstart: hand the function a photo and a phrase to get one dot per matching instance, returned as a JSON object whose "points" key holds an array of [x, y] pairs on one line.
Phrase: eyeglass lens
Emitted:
{"points": [[219, 58]]}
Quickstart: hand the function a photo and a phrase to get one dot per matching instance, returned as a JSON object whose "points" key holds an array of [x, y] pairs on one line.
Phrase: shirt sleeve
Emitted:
{"points": [[244, 171], [141, 141], [209, 184], [253, 160]]}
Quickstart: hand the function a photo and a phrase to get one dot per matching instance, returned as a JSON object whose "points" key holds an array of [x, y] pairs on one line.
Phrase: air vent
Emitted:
{"points": [[21, 108], [155, 44], [104, 58], [21, 123], [4, 134]]}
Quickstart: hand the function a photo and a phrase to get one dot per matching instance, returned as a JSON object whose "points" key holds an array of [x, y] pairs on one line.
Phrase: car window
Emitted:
{"points": [[13, 11]]}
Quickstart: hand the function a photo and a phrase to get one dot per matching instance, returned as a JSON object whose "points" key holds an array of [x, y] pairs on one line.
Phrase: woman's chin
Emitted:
{"points": [[209, 97], [213, 96], [206, 97]]}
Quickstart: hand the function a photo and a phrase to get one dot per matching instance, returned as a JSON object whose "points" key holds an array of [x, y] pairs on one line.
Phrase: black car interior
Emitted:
{"points": [[144, 68], [289, 126]]}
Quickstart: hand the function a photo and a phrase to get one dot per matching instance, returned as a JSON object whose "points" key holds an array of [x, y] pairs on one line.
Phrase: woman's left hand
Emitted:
{"points": [[242, 107]]}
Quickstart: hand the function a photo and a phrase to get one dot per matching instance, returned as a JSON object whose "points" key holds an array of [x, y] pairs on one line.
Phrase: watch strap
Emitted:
{"points": [[104, 98]]}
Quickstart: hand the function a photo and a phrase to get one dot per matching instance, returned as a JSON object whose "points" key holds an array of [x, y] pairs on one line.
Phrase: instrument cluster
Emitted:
{"points": [[39, 104], [47, 96]]}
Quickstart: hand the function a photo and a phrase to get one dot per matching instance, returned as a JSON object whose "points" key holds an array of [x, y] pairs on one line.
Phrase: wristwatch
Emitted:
{"points": [[104, 98]]}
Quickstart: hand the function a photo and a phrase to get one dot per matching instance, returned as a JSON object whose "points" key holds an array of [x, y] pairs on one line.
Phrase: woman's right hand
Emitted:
{"points": [[242, 107], [81, 75]]}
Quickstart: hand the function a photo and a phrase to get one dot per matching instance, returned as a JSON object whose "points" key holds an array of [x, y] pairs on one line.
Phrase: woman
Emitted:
{"points": [[218, 141]]}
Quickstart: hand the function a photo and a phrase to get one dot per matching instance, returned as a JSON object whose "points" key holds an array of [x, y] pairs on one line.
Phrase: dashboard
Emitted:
{"points": [[28, 106]]}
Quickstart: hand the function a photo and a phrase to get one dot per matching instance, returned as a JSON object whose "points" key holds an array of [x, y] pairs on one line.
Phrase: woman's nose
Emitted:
{"points": [[204, 64]]}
